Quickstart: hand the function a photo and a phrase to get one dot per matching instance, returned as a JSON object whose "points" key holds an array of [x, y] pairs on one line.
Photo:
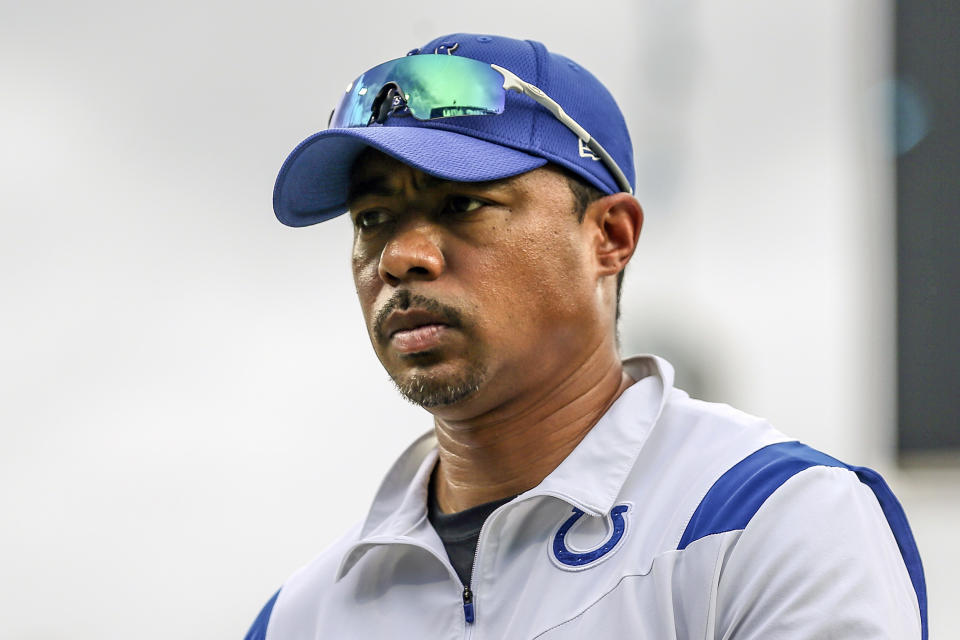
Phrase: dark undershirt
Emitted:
{"points": [[460, 531]]}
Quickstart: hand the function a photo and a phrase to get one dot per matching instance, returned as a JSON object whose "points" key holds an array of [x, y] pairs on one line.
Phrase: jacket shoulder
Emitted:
{"points": [[291, 613]]}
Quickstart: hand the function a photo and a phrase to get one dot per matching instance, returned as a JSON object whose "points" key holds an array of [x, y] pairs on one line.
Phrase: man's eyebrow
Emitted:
{"points": [[377, 185], [380, 185]]}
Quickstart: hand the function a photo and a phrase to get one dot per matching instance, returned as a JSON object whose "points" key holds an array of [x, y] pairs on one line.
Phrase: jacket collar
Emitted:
{"points": [[608, 452], [606, 456]]}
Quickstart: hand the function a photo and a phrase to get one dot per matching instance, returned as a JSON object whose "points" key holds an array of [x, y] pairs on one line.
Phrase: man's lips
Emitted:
{"points": [[419, 338], [415, 329], [411, 319]]}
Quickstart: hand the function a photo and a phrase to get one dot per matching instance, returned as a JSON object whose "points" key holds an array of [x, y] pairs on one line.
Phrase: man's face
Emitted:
{"points": [[472, 293]]}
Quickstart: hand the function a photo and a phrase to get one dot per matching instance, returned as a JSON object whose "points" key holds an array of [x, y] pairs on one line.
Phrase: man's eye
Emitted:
{"points": [[462, 204], [370, 219]]}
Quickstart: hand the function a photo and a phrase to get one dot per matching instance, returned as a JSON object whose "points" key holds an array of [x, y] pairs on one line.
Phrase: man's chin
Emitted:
{"points": [[431, 388]]}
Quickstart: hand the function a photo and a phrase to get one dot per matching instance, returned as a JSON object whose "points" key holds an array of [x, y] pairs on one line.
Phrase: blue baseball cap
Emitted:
{"points": [[313, 182]]}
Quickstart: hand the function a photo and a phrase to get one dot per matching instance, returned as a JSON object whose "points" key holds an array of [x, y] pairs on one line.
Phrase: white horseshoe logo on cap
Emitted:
{"points": [[447, 49]]}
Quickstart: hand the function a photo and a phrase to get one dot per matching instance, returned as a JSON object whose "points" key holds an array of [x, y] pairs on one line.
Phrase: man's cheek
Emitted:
{"points": [[366, 295], [365, 277]]}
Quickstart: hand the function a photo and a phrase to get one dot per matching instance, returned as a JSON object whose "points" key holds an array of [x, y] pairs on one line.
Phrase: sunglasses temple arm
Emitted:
{"points": [[621, 179], [512, 83]]}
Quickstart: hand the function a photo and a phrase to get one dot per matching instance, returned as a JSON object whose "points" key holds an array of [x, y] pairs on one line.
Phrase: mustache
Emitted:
{"points": [[404, 300]]}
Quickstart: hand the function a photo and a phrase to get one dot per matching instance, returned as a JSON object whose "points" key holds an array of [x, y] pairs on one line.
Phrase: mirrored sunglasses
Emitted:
{"points": [[432, 86]]}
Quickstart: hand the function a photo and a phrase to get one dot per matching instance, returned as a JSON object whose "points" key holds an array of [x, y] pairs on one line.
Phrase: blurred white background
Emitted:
{"points": [[189, 407]]}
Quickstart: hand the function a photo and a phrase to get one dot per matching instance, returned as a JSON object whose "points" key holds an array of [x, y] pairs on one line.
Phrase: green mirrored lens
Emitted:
{"points": [[434, 86]]}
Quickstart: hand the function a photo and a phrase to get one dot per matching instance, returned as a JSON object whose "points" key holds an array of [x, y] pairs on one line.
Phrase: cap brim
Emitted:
{"points": [[313, 181]]}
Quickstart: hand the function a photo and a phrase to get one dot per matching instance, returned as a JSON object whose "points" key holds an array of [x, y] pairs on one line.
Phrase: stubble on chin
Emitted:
{"points": [[426, 389]]}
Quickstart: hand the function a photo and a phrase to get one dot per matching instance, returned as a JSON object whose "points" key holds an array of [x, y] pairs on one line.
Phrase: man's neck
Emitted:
{"points": [[491, 457]]}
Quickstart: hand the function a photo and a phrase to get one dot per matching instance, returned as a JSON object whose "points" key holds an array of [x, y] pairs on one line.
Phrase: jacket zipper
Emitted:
{"points": [[468, 611], [469, 614], [468, 604]]}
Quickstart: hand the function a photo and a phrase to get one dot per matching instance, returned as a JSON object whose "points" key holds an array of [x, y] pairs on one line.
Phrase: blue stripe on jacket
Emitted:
{"points": [[258, 631], [738, 494]]}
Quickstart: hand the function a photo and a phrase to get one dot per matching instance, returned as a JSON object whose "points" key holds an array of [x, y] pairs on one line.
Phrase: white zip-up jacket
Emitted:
{"points": [[673, 518]]}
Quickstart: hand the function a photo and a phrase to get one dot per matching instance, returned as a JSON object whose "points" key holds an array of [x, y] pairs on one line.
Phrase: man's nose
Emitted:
{"points": [[414, 253]]}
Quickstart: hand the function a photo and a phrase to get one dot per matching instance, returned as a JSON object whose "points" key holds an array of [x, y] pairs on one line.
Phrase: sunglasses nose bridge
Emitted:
{"points": [[389, 99]]}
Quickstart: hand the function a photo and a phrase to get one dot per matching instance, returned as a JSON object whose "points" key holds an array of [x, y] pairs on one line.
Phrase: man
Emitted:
{"points": [[562, 493]]}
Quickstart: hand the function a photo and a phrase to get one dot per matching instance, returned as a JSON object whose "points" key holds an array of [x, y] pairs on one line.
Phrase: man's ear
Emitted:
{"points": [[615, 222]]}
